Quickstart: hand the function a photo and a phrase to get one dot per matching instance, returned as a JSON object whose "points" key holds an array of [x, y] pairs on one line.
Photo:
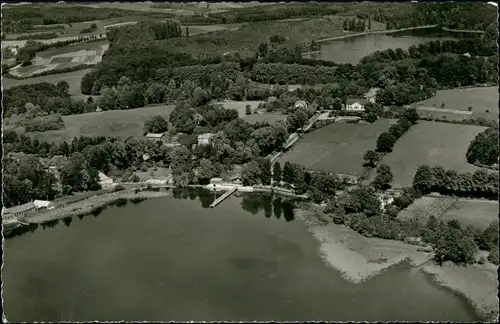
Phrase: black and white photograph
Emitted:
{"points": [[250, 161]]}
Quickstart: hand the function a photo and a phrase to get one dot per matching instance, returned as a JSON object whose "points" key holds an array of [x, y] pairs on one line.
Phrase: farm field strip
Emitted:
{"points": [[429, 143]]}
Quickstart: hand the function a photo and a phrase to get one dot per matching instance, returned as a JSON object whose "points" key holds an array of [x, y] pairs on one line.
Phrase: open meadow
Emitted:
{"points": [[476, 212], [425, 207], [337, 147], [483, 100], [73, 78], [114, 123], [433, 144], [240, 105], [270, 118]]}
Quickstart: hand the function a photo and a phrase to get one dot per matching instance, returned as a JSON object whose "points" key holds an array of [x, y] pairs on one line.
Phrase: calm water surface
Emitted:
{"points": [[172, 259], [353, 49]]}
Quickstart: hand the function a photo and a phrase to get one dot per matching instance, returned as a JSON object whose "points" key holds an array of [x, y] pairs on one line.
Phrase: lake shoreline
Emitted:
{"points": [[90, 205], [360, 258], [477, 283]]}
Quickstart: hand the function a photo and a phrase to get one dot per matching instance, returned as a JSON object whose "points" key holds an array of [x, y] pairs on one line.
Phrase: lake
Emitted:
{"points": [[173, 259], [353, 49]]}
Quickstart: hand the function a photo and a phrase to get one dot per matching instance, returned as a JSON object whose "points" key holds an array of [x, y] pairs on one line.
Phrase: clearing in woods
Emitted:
{"points": [[114, 123], [483, 100], [337, 147], [429, 143]]}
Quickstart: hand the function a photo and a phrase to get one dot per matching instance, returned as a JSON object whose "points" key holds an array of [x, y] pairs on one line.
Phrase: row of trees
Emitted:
{"points": [[319, 186], [23, 99], [386, 140], [474, 46], [484, 148], [480, 184]]}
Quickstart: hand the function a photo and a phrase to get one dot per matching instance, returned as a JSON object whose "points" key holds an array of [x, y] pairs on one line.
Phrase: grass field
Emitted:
{"points": [[240, 105], [116, 123], [337, 147], [427, 206], [480, 99], [250, 36], [73, 78], [271, 118], [475, 212], [433, 144]]}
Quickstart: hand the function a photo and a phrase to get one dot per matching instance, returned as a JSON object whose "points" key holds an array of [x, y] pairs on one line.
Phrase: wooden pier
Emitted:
{"points": [[224, 196]]}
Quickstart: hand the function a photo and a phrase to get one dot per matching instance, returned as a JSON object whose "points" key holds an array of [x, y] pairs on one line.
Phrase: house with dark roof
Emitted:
{"points": [[355, 104]]}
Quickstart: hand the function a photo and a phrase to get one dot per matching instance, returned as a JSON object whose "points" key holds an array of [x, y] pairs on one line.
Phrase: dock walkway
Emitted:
{"points": [[224, 196]]}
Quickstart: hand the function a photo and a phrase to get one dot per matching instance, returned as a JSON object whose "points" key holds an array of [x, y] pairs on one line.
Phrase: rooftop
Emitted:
{"points": [[205, 136], [154, 135]]}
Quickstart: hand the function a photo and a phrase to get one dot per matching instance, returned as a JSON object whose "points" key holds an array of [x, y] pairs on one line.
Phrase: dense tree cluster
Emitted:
{"points": [[484, 148], [355, 25], [480, 184], [383, 179], [25, 179], [40, 99], [156, 124], [292, 74]]}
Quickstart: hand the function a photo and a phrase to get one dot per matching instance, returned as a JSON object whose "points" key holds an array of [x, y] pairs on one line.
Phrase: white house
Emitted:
{"points": [[385, 200], [357, 104], [300, 104], [105, 181], [204, 139], [43, 204]]}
